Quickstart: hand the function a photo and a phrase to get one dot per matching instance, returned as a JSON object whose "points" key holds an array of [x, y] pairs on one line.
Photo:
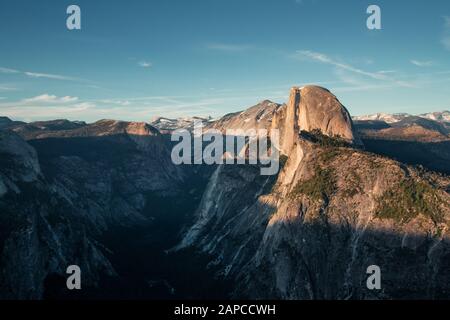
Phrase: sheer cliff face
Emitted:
{"points": [[312, 231]]}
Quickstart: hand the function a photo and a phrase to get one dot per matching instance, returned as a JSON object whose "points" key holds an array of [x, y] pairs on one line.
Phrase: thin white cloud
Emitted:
{"points": [[7, 88], [46, 98], [228, 47], [40, 75], [31, 113], [49, 76], [323, 58], [352, 82], [422, 63], [93, 86], [47, 106], [8, 70], [116, 102], [356, 88], [145, 64], [387, 71]]}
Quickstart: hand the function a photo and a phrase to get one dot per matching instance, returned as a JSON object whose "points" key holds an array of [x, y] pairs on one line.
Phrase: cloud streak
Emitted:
{"points": [[422, 63], [123, 103], [145, 64], [40, 75], [7, 88], [46, 106], [325, 59], [42, 100], [50, 76], [46, 98], [8, 70], [228, 47]]}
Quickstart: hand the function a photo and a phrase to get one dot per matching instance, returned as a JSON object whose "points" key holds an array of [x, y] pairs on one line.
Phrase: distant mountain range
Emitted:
{"points": [[404, 127], [423, 139], [169, 124], [441, 116]]}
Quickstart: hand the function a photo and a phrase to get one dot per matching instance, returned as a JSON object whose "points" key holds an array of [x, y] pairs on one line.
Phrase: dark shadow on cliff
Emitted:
{"points": [[138, 253], [145, 268], [320, 260]]}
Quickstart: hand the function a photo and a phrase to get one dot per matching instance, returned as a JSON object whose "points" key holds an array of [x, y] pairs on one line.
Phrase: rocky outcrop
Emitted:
{"points": [[333, 210], [329, 215], [341, 211], [308, 108]]}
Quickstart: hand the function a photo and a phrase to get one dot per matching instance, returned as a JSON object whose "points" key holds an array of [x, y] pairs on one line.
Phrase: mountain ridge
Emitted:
{"points": [[441, 116], [308, 232]]}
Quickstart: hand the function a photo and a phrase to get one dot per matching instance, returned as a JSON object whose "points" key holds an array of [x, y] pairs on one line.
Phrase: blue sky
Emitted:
{"points": [[136, 59]]}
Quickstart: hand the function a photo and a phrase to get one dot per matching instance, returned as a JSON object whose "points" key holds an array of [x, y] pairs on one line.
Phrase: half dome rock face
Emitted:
{"points": [[313, 107]]}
